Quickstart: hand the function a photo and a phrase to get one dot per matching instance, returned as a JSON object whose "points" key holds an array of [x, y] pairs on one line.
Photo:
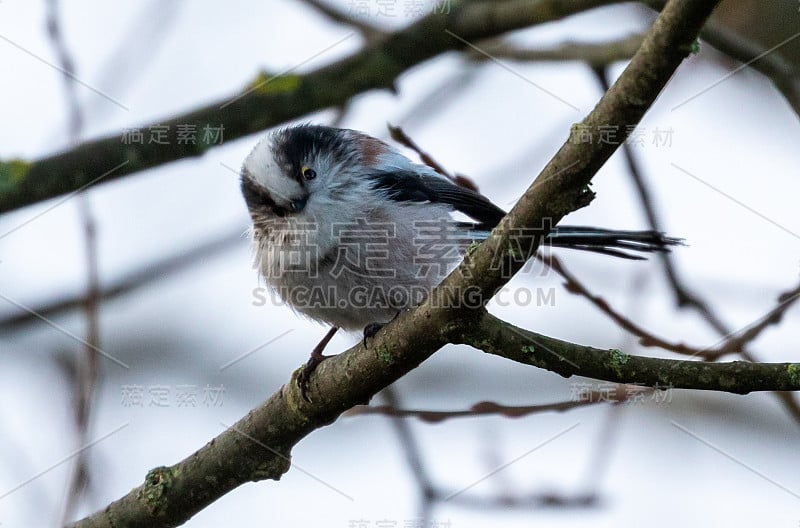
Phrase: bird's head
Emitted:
{"points": [[301, 171]]}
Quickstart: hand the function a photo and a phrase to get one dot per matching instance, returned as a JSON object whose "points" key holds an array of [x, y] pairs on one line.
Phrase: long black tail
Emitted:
{"points": [[623, 244]]}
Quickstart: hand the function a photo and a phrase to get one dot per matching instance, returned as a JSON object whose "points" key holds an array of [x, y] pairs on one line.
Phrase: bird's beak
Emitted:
{"points": [[298, 204]]}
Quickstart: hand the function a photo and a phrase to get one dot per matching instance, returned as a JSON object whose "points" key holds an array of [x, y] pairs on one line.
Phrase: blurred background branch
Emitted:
{"points": [[86, 370], [271, 99], [389, 56], [174, 494]]}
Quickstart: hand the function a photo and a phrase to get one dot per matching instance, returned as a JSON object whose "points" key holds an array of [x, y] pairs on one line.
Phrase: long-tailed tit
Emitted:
{"points": [[349, 232]]}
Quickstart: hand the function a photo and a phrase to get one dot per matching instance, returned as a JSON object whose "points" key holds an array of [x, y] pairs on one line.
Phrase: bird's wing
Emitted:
{"points": [[410, 186]]}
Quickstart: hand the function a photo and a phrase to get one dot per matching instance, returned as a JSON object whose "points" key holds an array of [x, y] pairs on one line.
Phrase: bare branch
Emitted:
{"points": [[497, 337], [598, 54], [684, 296], [413, 453], [736, 343], [368, 31], [399, 135], [485, 408], [258, 446], [646, 338], [87, 370], [270, 99], [732, 344], [770, 63]]}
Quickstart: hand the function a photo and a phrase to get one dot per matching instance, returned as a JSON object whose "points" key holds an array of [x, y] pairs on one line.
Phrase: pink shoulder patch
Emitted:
{"points": [[372, 149]]}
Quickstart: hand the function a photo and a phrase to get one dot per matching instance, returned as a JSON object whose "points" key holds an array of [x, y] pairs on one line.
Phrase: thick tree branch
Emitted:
{"points": [[500, 338], [684, 296], [562, 186], [270, 100], [258, 446]]}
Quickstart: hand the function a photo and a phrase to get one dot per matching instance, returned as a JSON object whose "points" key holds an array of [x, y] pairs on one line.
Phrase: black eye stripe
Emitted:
{"points": [[255, 195], [257, 198]]}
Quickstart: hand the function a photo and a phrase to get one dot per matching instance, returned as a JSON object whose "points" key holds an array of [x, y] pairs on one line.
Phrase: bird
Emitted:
{"points": [[349, 232]]}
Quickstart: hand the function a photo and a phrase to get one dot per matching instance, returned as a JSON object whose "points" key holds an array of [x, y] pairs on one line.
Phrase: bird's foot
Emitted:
{"points": [[373, 328], [304, 377], [313, 362], [370, 330]]}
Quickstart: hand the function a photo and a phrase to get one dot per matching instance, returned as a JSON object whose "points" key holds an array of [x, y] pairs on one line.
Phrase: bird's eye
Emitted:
{"points": [[309, 173]]}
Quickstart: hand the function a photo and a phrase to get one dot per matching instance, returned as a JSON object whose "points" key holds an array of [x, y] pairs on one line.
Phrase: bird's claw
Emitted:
{"points": [[370, 330], [304, 378], [373, 328]]}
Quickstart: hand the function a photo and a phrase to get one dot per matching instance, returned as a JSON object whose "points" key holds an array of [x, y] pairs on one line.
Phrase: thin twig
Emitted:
{"points": [[733, 342], [646, 338], [413, 453], [440, 96], [259, 445], [368, 31], [275, 99], [602, 53], [684, 296], [737, 343], [399, 135], [534, 501], [485, 408], [88, 359]]}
